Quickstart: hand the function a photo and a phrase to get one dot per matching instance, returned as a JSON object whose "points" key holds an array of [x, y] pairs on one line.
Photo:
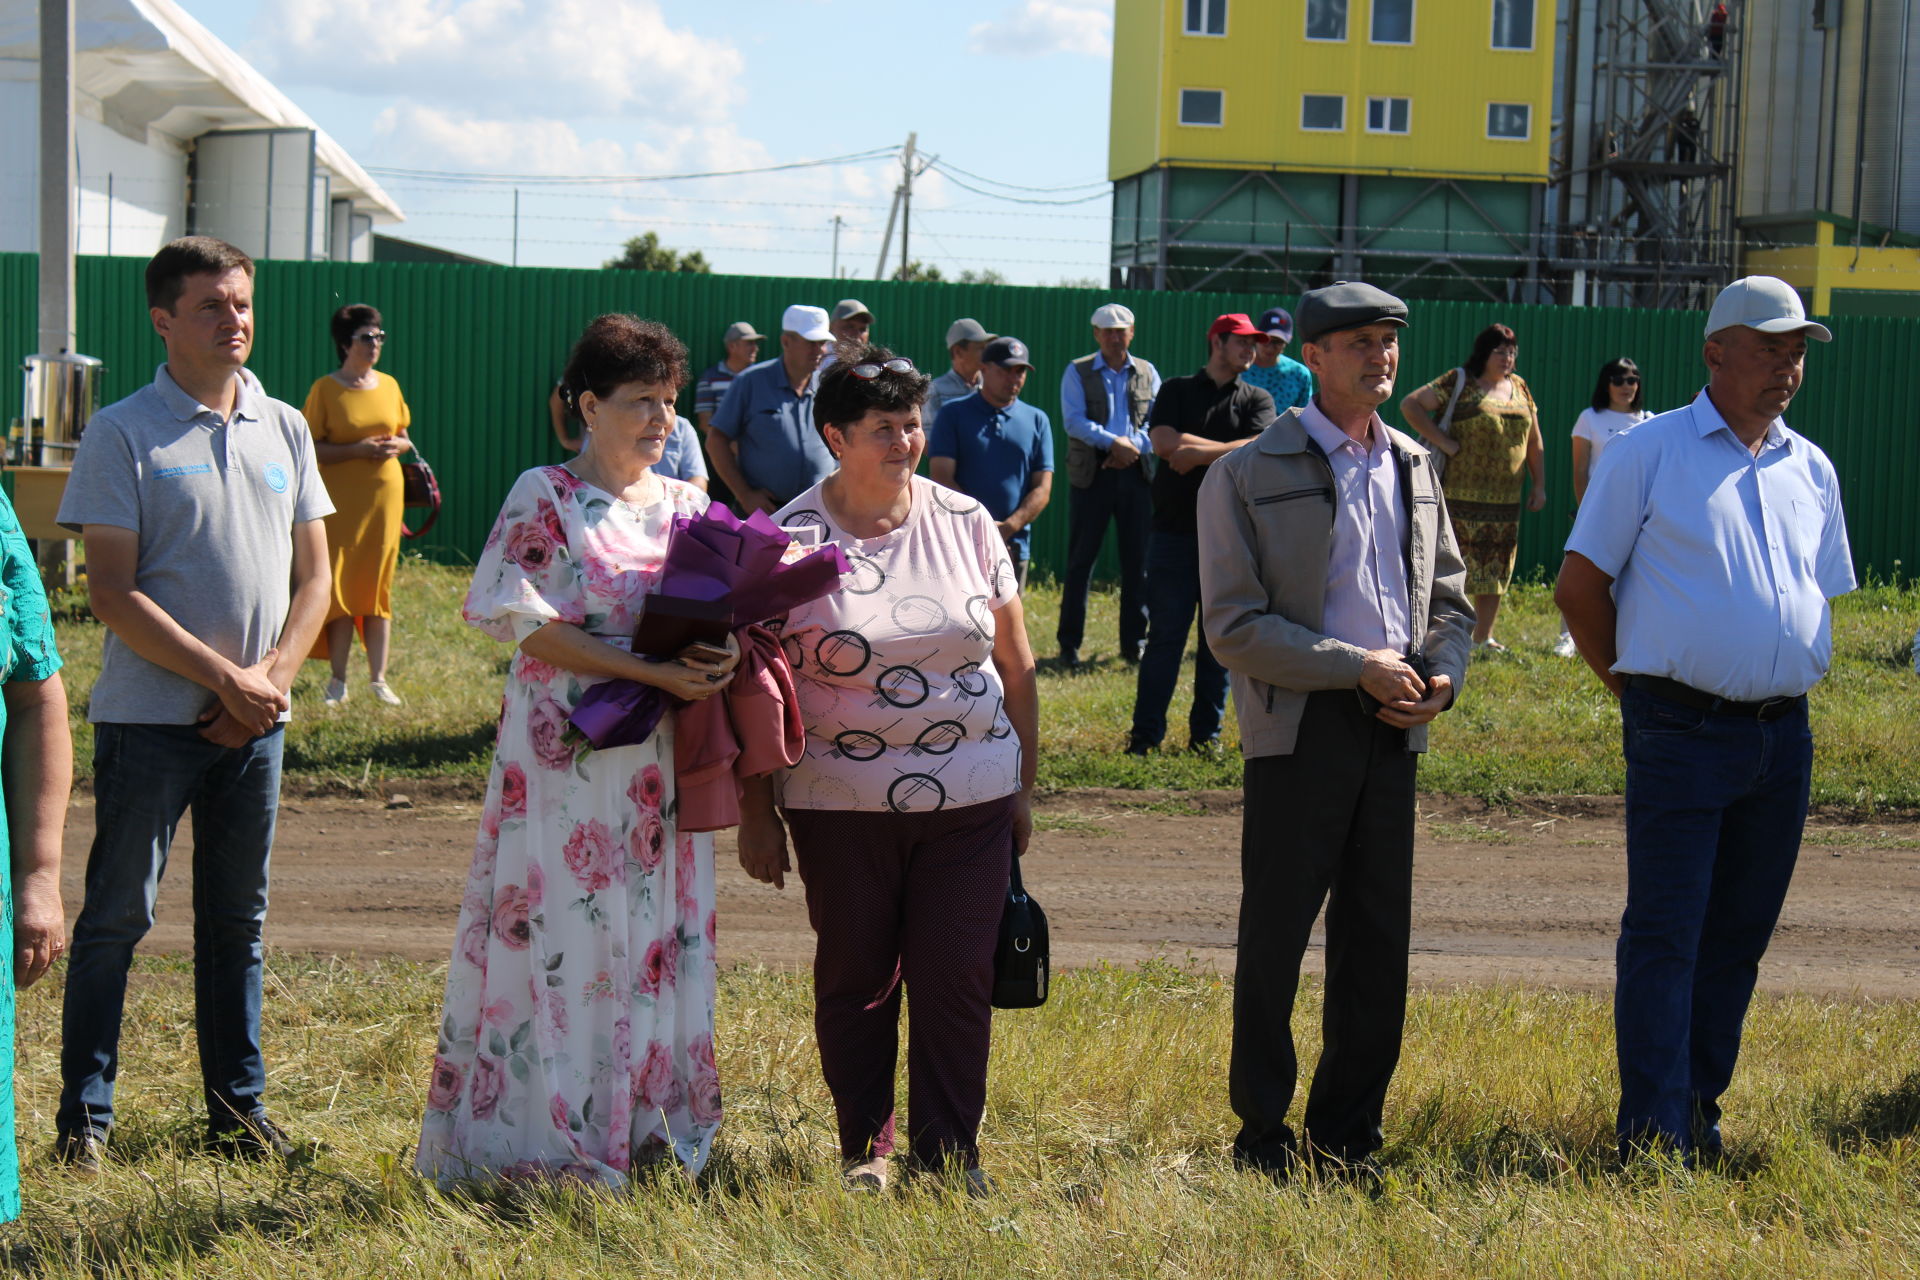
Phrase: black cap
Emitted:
{"points": [[1008, 352], [1345, 305]]}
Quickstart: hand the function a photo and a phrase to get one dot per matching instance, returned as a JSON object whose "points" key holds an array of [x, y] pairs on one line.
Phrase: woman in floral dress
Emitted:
{"points": [[577, 1039]]}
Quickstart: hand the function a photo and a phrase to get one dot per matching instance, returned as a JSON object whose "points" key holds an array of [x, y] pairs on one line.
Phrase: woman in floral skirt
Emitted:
{"points": [[577, 1039]]}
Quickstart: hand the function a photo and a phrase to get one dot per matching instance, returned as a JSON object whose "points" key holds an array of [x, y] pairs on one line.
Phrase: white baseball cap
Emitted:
{"points": [[809, 323], [1766, 303], [1113, 316]]}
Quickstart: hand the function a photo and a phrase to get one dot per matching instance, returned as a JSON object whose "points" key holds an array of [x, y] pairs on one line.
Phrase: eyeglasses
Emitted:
{"points": [[1624, 380], [371, 336], [868, 372]]}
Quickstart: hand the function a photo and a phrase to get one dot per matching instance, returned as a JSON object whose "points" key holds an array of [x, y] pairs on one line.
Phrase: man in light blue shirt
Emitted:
{"points": [[1104, 400], [681, 459], [761, 440], [1696, 585]]}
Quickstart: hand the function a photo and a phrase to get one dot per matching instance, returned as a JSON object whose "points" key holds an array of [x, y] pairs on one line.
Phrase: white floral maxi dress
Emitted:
{"points": [[578, 1033]]}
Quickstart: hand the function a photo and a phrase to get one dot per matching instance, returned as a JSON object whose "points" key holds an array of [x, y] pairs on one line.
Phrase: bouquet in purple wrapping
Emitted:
{"points": [[721, 573]]}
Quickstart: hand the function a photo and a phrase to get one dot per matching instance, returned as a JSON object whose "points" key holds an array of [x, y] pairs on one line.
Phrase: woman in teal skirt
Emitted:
{"points": [[36, 762]]}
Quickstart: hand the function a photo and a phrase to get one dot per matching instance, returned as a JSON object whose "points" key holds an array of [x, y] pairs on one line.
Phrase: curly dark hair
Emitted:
{"points": [[1603, 386], [348, 321], [843, 399], [1491, 338], [617, 349]]}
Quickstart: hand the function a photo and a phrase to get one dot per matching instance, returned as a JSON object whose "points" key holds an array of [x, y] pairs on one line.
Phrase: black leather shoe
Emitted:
{"points": [[254, 1138], [83, 1152], [1070, 659], [1140, 747]]}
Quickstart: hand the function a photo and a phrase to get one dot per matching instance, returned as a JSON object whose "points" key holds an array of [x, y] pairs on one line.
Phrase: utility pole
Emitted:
{"points": [[56, 177], [893, 214], [906, 201], [837, 221]]}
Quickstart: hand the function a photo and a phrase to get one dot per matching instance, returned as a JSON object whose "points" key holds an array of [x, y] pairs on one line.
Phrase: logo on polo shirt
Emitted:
{"points": [[276, 477]]}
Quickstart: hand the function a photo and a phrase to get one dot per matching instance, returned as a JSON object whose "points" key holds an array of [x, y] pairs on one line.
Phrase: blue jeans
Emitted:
{"points": [[1715, 805], [145, 777], [1173, 597], [1124, 499]]}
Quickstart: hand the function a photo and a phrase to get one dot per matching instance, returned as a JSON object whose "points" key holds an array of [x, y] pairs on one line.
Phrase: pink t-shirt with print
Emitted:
{"points": [[904, 710]]}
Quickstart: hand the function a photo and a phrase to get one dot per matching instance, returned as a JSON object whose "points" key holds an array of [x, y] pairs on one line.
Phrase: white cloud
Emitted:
{"points": [[1037, 28], [549, 57]]}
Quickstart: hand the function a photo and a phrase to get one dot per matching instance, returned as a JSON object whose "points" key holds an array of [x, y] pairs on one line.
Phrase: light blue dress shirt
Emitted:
{"points": [[1101, 435], [1366, 600], [681, 458], [1723, 561]]}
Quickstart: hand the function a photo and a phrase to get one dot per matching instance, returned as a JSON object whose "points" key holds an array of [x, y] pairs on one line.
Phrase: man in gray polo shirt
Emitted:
{"points": [[207, 561], [761, 440], [966, 340]]}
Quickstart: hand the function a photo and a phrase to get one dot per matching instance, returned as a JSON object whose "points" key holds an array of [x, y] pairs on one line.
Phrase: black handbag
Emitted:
{"points": [[1021, 959], [418, 489]]}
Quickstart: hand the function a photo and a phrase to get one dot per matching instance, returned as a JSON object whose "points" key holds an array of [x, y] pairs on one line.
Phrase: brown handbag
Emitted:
{"points": [[418, 489]]}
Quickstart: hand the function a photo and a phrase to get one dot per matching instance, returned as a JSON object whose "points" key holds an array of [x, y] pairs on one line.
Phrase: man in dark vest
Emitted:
{"points": [[1104, 399]]}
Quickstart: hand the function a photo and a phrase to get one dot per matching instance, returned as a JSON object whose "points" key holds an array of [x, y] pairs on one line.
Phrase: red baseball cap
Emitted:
{"points": [[1233, 322]]}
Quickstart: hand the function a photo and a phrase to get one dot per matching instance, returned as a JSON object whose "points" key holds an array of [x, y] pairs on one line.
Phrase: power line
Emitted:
{"points": [[941, 168], [1014, 186], [587, 179]]}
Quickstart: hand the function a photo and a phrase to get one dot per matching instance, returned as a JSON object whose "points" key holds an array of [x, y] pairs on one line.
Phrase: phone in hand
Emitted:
{"points": [[1369, 704]]}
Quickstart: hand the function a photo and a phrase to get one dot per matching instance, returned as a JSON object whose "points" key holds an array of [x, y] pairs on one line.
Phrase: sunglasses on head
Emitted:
{"points": [[868, 372], [1625, 379], [371, 336]]}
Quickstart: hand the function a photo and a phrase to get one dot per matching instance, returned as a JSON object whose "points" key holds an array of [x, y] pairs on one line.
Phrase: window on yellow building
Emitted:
{"points": [[1513, 24], [1387, 115], [1392, 22], [1509, 121], [1326, 19], [1206, 17], [1207, 107], [1323, 112]]}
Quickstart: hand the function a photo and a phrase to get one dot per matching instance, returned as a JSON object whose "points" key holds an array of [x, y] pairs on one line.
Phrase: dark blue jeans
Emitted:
{"points": [[1715, 806], [145, 777], [1124, 499], [1173, 597]]}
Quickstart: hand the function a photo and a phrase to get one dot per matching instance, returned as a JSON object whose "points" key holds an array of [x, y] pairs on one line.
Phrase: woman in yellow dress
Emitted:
{"points": [[1493, 448], [359, 421]]}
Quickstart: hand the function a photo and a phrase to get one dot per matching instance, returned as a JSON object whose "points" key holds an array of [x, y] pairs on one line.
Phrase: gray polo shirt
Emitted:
{"points": [[214, 504]]}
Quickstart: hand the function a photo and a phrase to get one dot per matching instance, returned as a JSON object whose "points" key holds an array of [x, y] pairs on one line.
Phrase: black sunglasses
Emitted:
{"points": [[1625, 380], [371, 336], [868, 372]]}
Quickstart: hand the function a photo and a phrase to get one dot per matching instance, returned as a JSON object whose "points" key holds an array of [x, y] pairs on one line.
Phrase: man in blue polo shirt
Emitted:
{"points": [[994, 447], [207, 556], [761, 439], [1696, 585]]}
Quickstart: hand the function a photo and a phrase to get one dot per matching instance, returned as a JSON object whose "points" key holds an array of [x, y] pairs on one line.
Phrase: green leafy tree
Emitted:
{"points": [[918, 270], [646, 253], [985, 275]]}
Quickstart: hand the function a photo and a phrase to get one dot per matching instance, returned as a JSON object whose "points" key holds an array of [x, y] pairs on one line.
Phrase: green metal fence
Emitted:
{"points": [[476, 349]]}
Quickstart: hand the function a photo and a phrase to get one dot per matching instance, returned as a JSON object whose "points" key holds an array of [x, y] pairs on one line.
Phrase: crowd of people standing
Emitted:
{"points": [[1341, 580]]}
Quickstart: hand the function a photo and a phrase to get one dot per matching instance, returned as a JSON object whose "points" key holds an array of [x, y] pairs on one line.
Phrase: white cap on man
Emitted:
{"points": [[809, 323], [1113, 316], [1766, 303]]}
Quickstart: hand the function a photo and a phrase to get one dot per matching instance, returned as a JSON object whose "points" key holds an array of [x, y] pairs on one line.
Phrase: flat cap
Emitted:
{"points": [[1113, 316], [1345, 305]]}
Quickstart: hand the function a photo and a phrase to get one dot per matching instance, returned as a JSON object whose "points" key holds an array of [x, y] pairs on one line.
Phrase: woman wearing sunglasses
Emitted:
{"points": [[917, 689], [1618, 403], [359, 421]]}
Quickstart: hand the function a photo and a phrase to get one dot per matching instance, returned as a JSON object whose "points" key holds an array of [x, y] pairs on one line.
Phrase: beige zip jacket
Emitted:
{"points": [[1266, 528]]}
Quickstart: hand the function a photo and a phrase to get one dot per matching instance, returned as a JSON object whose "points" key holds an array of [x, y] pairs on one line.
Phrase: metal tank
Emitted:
{"points": [[62, 392]]}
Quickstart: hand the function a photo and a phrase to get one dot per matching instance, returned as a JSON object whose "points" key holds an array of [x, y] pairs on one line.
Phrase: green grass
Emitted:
{"points": [[1107, 1128], [1528, 723]]}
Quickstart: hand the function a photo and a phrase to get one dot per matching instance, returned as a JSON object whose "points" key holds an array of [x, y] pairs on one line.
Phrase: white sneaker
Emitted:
{"points": [[1564, 647], [385, 693], [336, 692]]}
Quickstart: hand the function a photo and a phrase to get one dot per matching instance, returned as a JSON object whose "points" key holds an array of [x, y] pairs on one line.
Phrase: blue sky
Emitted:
{"points": [[1011, 90]]}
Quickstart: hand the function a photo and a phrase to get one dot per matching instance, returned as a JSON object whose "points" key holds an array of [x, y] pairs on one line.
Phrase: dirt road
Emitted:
{"points": [[1531, 895]]}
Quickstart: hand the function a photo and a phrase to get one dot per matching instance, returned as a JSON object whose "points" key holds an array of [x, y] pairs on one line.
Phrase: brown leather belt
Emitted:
{"points": [[1700, 700]]}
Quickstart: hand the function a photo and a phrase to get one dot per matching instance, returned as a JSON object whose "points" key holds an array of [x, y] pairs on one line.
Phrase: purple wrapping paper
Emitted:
{"points": [[714, 556]]}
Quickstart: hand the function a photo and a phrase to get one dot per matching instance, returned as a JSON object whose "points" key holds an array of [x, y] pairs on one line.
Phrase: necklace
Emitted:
{"points": [[589, 470]]}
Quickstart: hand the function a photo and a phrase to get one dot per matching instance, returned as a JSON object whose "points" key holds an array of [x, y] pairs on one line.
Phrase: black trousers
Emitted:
{"points": [[1333, 822]]}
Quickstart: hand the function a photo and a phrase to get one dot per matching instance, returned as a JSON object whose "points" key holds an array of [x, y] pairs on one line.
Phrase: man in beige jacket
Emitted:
{"points": [[1331, 589]]}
